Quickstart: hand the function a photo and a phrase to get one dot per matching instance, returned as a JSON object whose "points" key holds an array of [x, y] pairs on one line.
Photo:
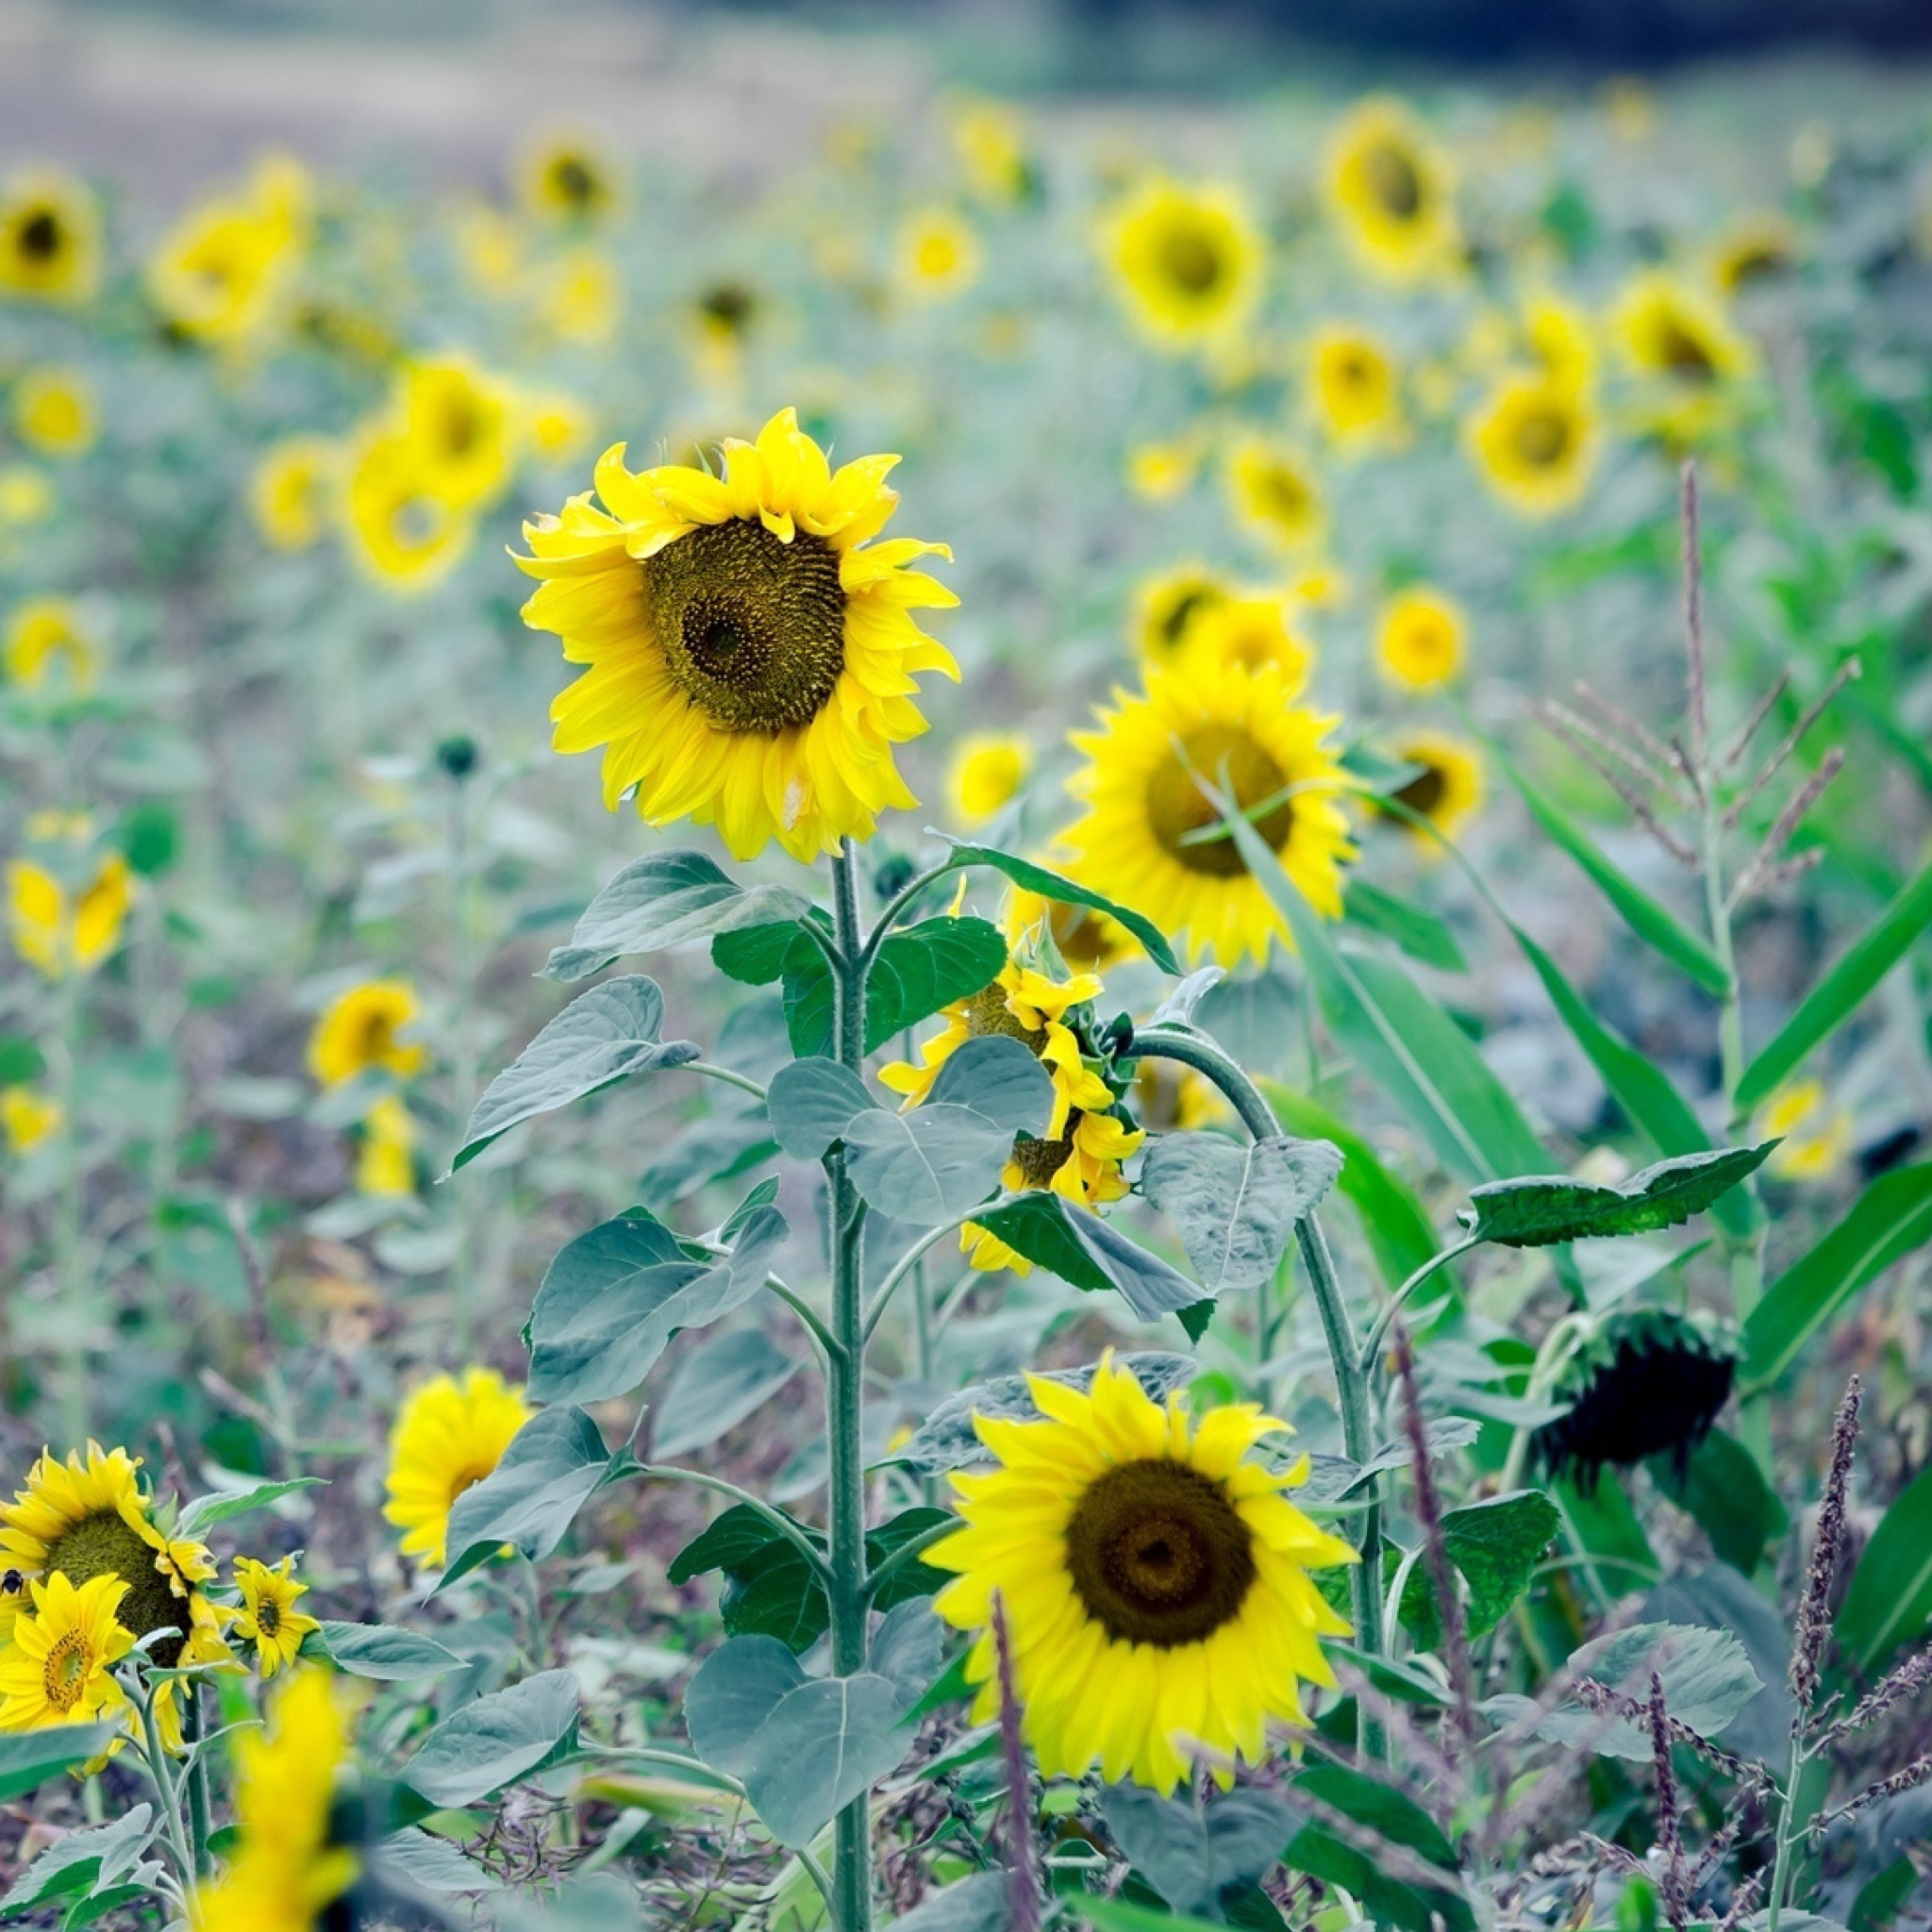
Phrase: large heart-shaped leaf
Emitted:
{"points": [[496, 1741], [927, 1166], [1234, 1206], [551, 1469], [1083, 1249]]}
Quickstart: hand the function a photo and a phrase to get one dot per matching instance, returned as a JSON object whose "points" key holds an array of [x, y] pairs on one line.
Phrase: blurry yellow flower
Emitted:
{"points": [[50, 237], [294, 490], [1352, 385], [28, 1118], [405, 529], [1535, 440], [60, 930], [1420, 640], [1159, 471], [1560, 338], [938, 255], [461, 425], [25, 496], [1188, 260], [1251, 629], [1273, 493], [557, 427], [1667, 327], [1631, 109], [1446, 789], [990, 141], [490, 246], [268, 1618], [1172, 1099], [1814, 1137], [220, 274], [361, 1028], [581, 296], [53, 411], [564, 177], [449, 1436], [1389, 188], [386, 1164], [1166, 606], [1754, 249], [987, 770], [48, 637]]}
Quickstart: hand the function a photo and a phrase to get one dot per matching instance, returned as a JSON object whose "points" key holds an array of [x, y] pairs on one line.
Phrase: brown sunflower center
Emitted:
{"points": [[379, 1038], [1182, 612], [987, 1012], [728, 306], [39, 235], [64, 1674], [1175, 807], [753, 628], [104, 1545], [1039, 1160], [1190, 260], [574, 181], [1158, 1555], [1394, 180], [268, 1619], [1082, 936], [1684, 352], [1423, 793], [1543, 437]]}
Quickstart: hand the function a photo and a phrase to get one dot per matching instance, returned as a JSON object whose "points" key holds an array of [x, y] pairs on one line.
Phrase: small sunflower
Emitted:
{"points": [[27, 497], [1535, 440], [938, 255], [990, 139], [1275, 493], [294, 490], [988, 768], [68, 920], [1561, 340], [1353, 387], [557, 427], [1389, 188], [47, 637], [1422, 637], [462, 427], [362, 1028], [54, 411], [1159, 471], [405, 533], [27, 1119], [221, 273], [1758, 248], [386, 1160], [580, 296], [1149, 835], [1814, 1137], [58, 1667], [50, 238], [1154, 1580], [1669, 329], [560, 178], [1188, 261], [1167, 605], [1251, 629], [449, 1436], [268, 1618], [1446, 789], [750, 653]]}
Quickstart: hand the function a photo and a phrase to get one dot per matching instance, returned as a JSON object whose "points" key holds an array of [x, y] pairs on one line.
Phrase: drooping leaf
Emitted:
{"points": [[1235, 1207], [1888, 1601], [1001, 1078], [909, 1649], [32, 1758], [224, 1506], [756, 956], [496, 1741], [604, 1035], [382, 1652], [1538, 1211], [1053, 885], [551, 1469], [414, 1857], [1089, 1253], [1420, 934], [713, 1147], [809, 1103], [978, 1903], [716, 1388], [927, 1166]]}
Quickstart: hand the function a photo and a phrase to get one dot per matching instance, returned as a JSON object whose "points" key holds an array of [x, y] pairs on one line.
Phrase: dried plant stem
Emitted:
{"points": [[1788, 821], [1846, 672], [1023, 1900], [1559, 721], [1670, 1836]]}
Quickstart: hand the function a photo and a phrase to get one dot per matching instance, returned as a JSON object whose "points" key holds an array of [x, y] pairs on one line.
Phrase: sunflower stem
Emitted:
{"points": [[197, 1775], [69, 1274]]}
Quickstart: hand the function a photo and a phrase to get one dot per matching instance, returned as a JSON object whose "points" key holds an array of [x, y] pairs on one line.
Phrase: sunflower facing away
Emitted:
{"points": [[1148, 836], [1154, 1580], [56, 1667], [1535, 440], [1421, 638], [50, 238], [1188, 261], [361, 1028], [449, 1436], [750, 653], [268, 1618], [1389, 188], [1446, 787]]}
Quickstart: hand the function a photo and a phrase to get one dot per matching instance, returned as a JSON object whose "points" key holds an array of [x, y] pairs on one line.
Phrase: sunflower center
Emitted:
{"points": [[1423, 793], [64, 1674], [1175, 807], [39, 236], [104, 1545], [574, 181], [1542, 437], [1183, 611], [467, 1478], [378, 1037], [753, 628], [987, 1012], [1190, 260], [729, 305], [268, 1618], [1039, 1160], [1281, 494], [1158, 1555], [1394, 180], [1683, 352]]}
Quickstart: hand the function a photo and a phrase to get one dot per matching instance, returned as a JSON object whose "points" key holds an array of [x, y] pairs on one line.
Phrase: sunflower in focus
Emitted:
{"points": [[1188, 261], [988, 768], [1153, 1577], [220, 274], [1535, 440], [1353, 388], [362, 1028], [58, 1665], [1422, 639], [293, 489], [449, 1436], [750, 653], [1814, 1137], [386, 1158], [53, 411], [561, 178], [1446, 787], [1151, 839], [28, 1118], [1167, 605], [1389, 188], [1252, 630], [50, 238], [268, 1618], [1080, 1154], [1086, 939], [66, 916], [1275, 493], [46, 639], [938, 255]]}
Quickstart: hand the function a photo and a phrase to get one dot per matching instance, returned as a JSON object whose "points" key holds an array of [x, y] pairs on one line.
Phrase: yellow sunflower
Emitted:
{"points": [[1188, 261], [558, 425], [63, 926], [938, 255], [1353, 388], [54, 411], [25, 496], [27, 1119], [58, 1667], [219, 274], [48, 637], [268, 1618], [562, 178], [1079, 1156], [1669, 329], [1172, 1099], [405, 533], [449, 1436], [1755, 249], [1814, 1137], [1389, 188], [988, 768], [1251, 629], [386, 1160], [1561, 340], [294, 490], [362, 1028], [1535, 440], [1275, 493], [1446, 790], [1148, 838], [1152, 1578], [750, 653], [990, 139], [462, 427], [1422, 639], [580, 296], [1167, 605], [1159, 471], [50, 237]]}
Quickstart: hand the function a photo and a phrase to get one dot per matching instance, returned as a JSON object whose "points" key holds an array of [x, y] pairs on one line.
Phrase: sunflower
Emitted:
{"points": [[1535, 440], [1188, 261], [938, 255], [54, 411], [268, 1618], [990, 142], [988, 768], [750, 653], [407, 533], [557, 427], [1389, 188], [50, 237], [27, 1119], [1560, 338], [1669, 329], [361, 1028], [61, 929], [287, 1870], [1272, 490], [25, 496], [293, 489], [48, 637], [1353, 386], [1172, 1099], [385, 1162], [1159, 471], [1422, 637], [1149, 835], [219, 274], [449, 1436], [581, 296], [1153, 1577], [1251, 629], [1814, 1138], [1080, 1154], [1086, 940], [1755, 249], [58, 1667], [1446, 789], [560, 178], [462, 427], [1167, 605]]}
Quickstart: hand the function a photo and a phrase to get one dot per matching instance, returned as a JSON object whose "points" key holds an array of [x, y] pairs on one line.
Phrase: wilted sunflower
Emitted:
{"points": [[1153, 1581], [751, 653], [563, 178], [54, 411], [361, 1028], [294, 490], [50, 237], [1352, 386], [1148, 838], [938, 255], [1419, 640], [1080, 1154], [220, 274], [1446, 789], [449, 1436], [1535, 440], [1251, 629], [1273, 493], [986, 769], [1389, 188], [48, 637], [1188, 261], [1167, 605], [57, 1666], [268, 1618]]}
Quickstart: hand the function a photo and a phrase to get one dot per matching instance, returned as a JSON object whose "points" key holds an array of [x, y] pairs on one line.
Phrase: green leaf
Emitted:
{"points": [[1706, 1675], [496, 1741], [1235, 1207], [33, 1757], [1124, 1915], [826, 1743], [83, 1861], [909, 1649], [432, 1864], [1538, 1211], [1886, 1222], [204, 1512], [1380, 1812], [716, 1388], [1191, 1855], [811, 1101], [1724, 1490], [912, 1580], [1842, 991], [551, 1469], [603, 1035], [756, 956], [1496, 1544], [927, 1166], [1419, 934], [1000, 1079], [978, 1903], [662, 901], [1604, 1531], [913, 974], [612, 1300], [383, 1652], [1084, 1250], [732, 1693], [1889, 1598], [1053, 885], [1652, 922], [713, 1147]]}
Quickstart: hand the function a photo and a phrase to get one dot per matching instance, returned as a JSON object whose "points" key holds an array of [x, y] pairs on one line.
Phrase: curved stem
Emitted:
{"points": [[1373, 1345], [671, 1760], [712, 1072], [911, 1257], [909, 1553], [829, 1345], [882, 926], [791, 1532]]}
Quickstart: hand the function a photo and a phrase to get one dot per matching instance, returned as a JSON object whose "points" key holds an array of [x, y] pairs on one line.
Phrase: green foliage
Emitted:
{"points": [[552, 1468], [1888, 1601], [1052, 885], [383, 1652], [1495, 1544], [1235, 1208], [917, 972], [1536, 1213], [1196, 1856], [1090, 1254], [83, 1862], [717, 1387], [496, 1741], [1349, 1805]]}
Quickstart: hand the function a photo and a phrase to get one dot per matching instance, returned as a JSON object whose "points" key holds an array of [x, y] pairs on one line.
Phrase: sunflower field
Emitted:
{"points": [[1165, 1165]]}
